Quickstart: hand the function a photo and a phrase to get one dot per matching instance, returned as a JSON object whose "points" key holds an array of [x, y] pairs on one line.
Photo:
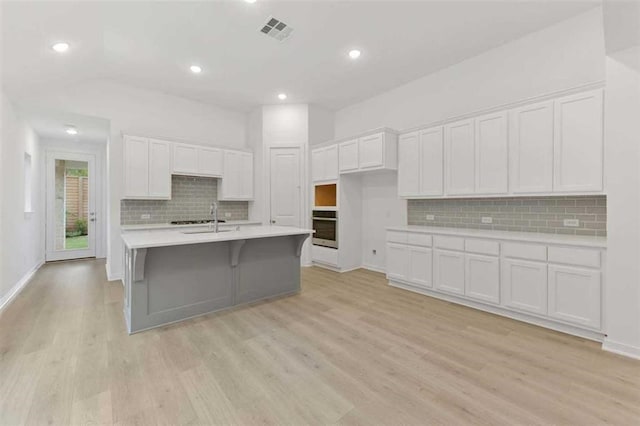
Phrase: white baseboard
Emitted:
{"points": [[374, 268], [621, 348], [110, 276], [20, 285]]}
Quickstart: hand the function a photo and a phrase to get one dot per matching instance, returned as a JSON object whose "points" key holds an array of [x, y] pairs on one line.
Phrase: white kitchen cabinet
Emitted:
{"points": [[460, 157], [524, 285], [237, 180], [194, 160], [324, 163], [210, 162], [397, 261], [377, 151], [159, 169], [371, 151], [448, 271], [531, 150], [579, 143], [492, 154], [420, 163], [482, 277], [147, 168], [420, 266], [348, 156], [574, 295]]}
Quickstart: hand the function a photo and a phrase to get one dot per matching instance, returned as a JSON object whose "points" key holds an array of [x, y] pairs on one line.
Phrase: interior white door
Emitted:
{"points": [[492, 154], [461, 159], [71, 206], [531, 164], [579, 143], [285, 170]]}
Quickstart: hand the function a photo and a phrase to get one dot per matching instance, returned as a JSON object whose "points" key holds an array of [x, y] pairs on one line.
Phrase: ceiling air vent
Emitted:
{"points": [[276, 29]]}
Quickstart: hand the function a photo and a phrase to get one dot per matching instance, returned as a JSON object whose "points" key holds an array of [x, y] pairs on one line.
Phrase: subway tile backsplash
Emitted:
{"points": [[190, 199], [524, 214]]}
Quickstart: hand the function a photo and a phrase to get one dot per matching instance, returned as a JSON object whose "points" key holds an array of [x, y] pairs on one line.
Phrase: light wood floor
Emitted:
{"points": [[349, 349]]}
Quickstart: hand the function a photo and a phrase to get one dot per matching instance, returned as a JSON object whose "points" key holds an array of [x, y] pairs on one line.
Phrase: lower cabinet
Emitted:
{"points": [[397, 261], [574, 295], [524, 285], [411, 264], [449, 271], [482, 278]]}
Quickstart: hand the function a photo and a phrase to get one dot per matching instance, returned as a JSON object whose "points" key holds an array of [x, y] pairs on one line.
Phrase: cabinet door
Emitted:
{"points": [[159, 169], [482, 280], [318, 162], [331, 163], [448, 271], [185, 159], [431, 161], [409, 165], [420, 268], [231, 187], [210, 162], [531, 162], [246, 175], [371, 151], [492, 154], [524, 285], [348, 158], [460, 159], [397, 262], [574, 295], [136, 167], [578, 147]]}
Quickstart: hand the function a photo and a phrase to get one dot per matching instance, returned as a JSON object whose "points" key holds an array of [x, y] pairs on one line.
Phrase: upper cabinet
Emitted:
{"points": [[420, 163], [324, 163], [578, 149], [237, 182], [147, 168], [194, 160], [372, 152], [545, 148], [532, 149]]}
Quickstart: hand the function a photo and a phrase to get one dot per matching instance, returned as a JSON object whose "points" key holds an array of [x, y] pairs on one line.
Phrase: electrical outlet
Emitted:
{"points": [[227, 214], [571, 222], [431, 217], [374, 251], [487, 219], [145, 216]]}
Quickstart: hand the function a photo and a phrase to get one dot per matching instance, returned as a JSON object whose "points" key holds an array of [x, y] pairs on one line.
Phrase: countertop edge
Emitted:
{"points": [[573, 240]]}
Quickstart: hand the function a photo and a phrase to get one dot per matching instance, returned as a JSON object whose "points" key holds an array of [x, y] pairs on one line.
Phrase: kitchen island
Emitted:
{"points": [[172, 275]]}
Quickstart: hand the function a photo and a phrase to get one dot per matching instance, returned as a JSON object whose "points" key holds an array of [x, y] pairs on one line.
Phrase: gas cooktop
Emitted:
{"points": [[193, 222]]}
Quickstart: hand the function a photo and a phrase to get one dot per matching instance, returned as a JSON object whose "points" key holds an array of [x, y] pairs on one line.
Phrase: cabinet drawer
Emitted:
{"points": [[525, 251], [449, 243], [482, 247], [575, 256], [397, 237], [324, 255], [419, 240]]}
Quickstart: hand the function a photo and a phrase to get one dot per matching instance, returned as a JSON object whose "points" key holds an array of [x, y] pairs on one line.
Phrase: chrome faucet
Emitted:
{"points": [[213, 211]]}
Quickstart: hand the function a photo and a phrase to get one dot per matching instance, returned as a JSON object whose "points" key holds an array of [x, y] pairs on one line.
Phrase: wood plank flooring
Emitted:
{"points": [[348, 350]]}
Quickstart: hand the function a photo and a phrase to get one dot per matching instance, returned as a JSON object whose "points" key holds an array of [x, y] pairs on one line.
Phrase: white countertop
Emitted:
{"points": [[577, 240], [151, 226], [175, 237]]}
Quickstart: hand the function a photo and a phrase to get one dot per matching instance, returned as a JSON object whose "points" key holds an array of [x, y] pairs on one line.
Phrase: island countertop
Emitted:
{"points": [[175, 237]]}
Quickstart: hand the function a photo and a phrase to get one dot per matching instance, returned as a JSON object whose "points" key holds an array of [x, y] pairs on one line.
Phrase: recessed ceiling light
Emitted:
{"points": [[195, 69], [354, 54], [60, 47], [250, 1], [282, 96], [71, 130]]}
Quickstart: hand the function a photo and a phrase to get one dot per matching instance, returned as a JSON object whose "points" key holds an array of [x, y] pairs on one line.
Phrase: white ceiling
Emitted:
{"points": [[52, 125], [152, 44]]}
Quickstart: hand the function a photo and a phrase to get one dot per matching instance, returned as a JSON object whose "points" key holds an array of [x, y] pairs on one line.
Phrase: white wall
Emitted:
{"points": [[622, 158], [564, 55], [143, 112], [381, 208], [21, 234]]}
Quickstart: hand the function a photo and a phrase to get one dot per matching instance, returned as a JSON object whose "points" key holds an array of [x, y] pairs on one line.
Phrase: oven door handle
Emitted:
{"points": [[326, 219]]}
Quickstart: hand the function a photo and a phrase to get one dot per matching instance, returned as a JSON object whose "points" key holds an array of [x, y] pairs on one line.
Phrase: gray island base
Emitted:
{"points": [[171, 276]]}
